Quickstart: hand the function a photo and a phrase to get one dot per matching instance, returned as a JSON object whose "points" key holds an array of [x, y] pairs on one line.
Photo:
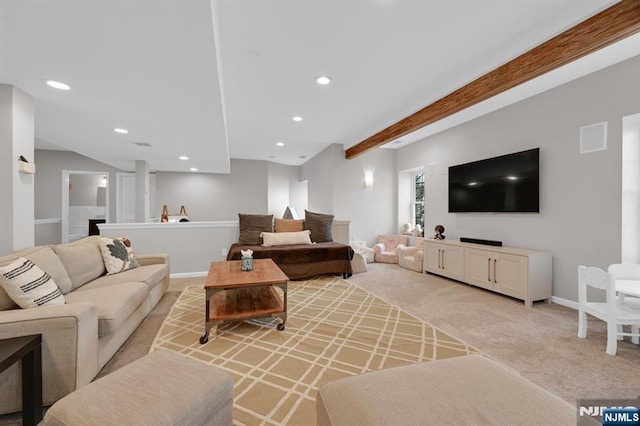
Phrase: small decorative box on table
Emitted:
{"points": [[235, 295]]}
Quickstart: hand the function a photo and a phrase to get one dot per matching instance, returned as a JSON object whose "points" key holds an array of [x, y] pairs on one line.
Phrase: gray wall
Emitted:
{"points": [[84, 190], [48, 182], [211, 197], [336, 186], [580, 194]]}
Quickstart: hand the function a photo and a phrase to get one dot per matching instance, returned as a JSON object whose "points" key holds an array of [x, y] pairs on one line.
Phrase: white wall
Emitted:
{"points": [[580, 194], [278, 180], [336, 186], [16, 189], [299, 194]]}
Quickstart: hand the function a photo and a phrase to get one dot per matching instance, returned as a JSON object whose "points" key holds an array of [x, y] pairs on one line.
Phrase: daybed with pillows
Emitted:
{"points": [[301, 248], [85, 298]]}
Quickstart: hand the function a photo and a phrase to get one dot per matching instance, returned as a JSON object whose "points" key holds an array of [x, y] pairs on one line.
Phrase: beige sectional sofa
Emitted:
{"points": [[100, 313]]}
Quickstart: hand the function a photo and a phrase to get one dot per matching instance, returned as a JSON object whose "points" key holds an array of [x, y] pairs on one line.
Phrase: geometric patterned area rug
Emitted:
{"points": [[334, 329]]}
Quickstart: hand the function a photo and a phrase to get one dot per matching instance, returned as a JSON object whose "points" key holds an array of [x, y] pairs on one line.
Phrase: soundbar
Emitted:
{"points": [[480, 241]]}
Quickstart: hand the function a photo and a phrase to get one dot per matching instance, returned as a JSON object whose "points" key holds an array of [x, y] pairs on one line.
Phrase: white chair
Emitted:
{"points": [[361, 248], [627, 271], [411, 257], [609, 311]]}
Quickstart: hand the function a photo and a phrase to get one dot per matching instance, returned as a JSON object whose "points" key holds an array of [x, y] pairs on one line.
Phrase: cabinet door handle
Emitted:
{"points": [[495, 276], [438, 258], [443, 259], [489, 269]]}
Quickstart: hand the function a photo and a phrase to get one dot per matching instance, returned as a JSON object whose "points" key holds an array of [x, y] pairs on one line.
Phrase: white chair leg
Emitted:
{"points": [[620, 336], [636, 331], [582, 324], [612, 338]]}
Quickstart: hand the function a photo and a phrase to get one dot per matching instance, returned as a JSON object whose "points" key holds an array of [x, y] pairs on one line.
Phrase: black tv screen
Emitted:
{"points": [[505, 184]]}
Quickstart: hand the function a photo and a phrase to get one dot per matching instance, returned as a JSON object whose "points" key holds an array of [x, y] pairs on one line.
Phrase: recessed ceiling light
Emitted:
{"points": [[323, 79], [183, 157], [193, 169], [121, 130], [297, 118], [512, 177], [280, 144], [58, 85]]}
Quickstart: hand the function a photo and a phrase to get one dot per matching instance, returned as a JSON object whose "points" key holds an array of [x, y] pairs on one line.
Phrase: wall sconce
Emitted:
{"points": [[368, 180]]}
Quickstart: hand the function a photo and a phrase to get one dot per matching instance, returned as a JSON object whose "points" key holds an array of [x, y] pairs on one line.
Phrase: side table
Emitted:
{"points": [[29, 350]]}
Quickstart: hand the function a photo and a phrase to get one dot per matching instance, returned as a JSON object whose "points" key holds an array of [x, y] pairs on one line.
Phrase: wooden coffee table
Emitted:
{"points": [[234, 295]]}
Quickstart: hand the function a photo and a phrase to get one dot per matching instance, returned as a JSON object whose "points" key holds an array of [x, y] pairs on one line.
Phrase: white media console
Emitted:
{"points": [[519, 273]]}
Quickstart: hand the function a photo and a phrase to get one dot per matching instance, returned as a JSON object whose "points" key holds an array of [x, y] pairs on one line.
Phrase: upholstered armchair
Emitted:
{"points": [[385, 250], [411, 257], [361, 248]]}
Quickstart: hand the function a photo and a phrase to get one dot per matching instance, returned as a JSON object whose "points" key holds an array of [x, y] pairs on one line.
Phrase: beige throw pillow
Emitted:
{"points": [[289, 225], [117, 254], [28, 285], [285, 238]]}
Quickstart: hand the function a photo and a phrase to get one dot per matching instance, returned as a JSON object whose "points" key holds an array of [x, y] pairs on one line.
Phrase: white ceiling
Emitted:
{"points": [[221, 79]]}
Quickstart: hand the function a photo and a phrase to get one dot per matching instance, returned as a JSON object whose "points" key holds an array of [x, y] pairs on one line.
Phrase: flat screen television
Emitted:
{"points": [[505, 184]]}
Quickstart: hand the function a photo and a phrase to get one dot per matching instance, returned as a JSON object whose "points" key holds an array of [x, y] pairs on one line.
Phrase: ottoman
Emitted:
{"points": [[161, 388], [465, 390]]}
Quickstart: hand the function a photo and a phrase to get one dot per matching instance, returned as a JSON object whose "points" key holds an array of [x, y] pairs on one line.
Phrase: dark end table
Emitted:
{"points": [[29, 350]]}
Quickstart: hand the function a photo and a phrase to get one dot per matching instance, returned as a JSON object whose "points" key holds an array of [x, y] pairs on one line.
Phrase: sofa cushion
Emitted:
{"points": [[251, 226], [46, 259], [117, 254], [82, 260], [28, 285], [49, 262], [115, 303], [462, 390], [319, 225], [151, 275]]}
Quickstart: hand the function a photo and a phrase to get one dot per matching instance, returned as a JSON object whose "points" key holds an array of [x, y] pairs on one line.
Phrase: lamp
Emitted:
{"points": [[368, 180]]}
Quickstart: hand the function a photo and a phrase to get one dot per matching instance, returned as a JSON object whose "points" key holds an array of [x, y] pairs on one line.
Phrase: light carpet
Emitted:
{"points": [[334, 329]]}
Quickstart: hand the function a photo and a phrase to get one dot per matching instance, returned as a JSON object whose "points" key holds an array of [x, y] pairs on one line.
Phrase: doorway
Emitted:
{"points": [[85, 198], [631, 189], [126, 198]]}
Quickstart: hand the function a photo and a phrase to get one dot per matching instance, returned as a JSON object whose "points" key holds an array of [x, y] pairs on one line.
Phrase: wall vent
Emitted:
{"points": [[145, 144], [593, 138]]}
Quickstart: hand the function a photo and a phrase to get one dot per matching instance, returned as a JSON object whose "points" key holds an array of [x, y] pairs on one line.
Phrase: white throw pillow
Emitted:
{"points": [[117, 254], [28, 285], [285, 238]]}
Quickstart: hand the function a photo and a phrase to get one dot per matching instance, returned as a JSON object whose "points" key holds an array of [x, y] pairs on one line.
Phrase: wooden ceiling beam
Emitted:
{"points": [[607, 27]]}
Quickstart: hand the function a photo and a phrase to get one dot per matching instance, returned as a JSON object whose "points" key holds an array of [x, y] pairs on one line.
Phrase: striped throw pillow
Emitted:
{"points": [[28, 285]]}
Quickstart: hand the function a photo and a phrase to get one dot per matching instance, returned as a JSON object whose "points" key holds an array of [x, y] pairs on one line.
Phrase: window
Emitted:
{"points": [[417, 198]]}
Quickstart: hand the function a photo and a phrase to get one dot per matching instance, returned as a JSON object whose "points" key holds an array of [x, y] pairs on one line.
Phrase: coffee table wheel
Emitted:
{"points": [[204, 338], [281, 326]]}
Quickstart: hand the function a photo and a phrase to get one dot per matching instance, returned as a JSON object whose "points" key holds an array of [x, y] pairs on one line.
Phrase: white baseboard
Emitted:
{"points": [[189, 274], [565, 302]]}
